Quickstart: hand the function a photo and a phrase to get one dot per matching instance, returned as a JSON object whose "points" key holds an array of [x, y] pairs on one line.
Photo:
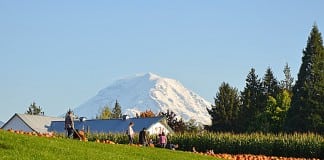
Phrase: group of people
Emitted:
{"points": [[142, 136], [162, 139]]}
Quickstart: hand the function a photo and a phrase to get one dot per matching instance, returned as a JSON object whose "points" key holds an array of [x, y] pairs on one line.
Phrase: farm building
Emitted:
{"points": [[154, 125], [43, 124], [30, 123]]}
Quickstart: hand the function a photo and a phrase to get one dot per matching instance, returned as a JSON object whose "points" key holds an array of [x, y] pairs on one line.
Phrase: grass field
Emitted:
{"points": [[16, 146]]}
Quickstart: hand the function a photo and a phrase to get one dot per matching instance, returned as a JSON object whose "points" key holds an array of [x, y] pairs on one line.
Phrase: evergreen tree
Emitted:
{"points": [[307, 110], [116, 112], [270, 84], [287, 83], [250, 102], [266, 103], [105, 113], [226, 109], [33, 109]]}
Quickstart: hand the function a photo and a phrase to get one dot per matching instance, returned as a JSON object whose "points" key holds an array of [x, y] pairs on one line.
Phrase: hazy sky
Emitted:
{"points": [[61, 53]]}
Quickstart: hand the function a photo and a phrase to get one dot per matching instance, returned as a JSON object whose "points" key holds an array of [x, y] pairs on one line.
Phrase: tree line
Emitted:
{"points": [[269, 105]]}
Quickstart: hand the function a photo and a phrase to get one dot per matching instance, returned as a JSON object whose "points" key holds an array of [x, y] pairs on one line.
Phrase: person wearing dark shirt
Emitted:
{"points": [[143, 137], [69, 124]]}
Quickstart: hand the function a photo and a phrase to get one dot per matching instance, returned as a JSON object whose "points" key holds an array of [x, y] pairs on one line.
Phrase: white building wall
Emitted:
{"points": [[17, 124], [158, 128]]}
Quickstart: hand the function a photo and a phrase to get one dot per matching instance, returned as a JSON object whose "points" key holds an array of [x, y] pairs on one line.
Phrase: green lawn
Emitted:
{"points": [[15, 146]]}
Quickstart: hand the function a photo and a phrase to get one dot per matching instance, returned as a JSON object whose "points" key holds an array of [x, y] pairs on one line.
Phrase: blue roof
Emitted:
{"points": [[107, 125]]}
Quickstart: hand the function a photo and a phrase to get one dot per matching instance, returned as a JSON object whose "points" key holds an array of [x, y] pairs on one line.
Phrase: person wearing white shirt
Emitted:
{"points": [[130, 132]]}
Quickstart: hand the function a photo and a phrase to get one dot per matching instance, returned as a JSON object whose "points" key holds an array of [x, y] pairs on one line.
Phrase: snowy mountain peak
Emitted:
{"points": [[148, 92], [151, 76]]}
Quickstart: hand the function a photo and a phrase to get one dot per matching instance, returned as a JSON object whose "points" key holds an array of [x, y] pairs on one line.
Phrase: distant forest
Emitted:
{"points": [[272, 106]]}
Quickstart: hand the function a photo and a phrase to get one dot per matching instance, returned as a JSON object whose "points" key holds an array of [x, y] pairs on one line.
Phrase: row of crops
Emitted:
{"points": [[287, 145], [307, 145]]}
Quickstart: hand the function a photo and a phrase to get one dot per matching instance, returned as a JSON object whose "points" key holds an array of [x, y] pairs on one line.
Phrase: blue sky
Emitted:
{"points": [[61, 53]]}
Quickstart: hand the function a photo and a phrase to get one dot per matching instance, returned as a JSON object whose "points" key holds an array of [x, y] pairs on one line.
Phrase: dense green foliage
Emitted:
{"points": [[271, 107], [276, 111], [24, 147], [250, 104], [261, 107], [226, 109], [307, 110]]}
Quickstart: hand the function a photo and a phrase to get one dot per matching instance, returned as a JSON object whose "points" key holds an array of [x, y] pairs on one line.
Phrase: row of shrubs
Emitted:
{"points": [[307, 145]]}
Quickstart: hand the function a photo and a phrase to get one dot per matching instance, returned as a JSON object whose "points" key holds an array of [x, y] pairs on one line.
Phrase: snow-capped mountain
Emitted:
{"points": [[148, 92]]}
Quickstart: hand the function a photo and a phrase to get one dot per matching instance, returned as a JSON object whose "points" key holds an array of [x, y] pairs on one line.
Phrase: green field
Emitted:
{"points": [[16, 146]]}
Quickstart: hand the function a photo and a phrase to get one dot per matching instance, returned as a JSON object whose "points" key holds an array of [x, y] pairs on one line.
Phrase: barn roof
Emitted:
{"points": [[38, 123], [109, 125], [42, 124]]}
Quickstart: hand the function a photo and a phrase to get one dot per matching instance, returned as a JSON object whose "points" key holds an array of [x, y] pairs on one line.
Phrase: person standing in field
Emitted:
{"points": [[143, 137], [163, 140], [69, 124], [130, 132]]}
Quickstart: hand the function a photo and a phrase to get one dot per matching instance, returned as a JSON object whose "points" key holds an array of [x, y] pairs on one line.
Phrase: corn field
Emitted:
{"points": [[287, 145], [306, 145]]}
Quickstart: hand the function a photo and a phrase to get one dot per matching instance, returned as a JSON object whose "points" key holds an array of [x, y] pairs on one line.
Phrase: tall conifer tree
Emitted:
{"points": [[226, 109], [307, 110], [250, 101], [270, 90], [270, 84], [287, 83], [116, 112]]}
